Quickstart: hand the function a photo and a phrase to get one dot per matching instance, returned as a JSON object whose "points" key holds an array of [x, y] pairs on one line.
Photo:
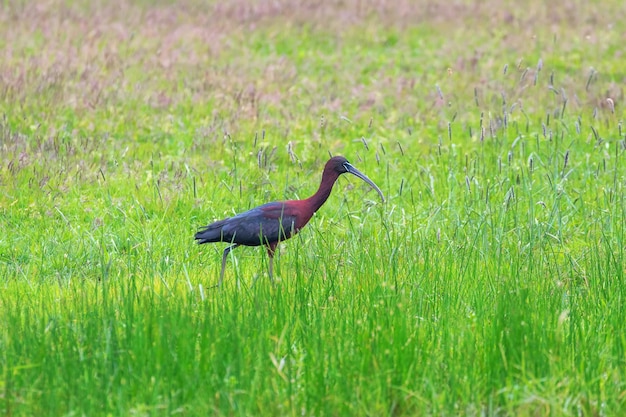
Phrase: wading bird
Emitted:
{"points": [[274, 222]]}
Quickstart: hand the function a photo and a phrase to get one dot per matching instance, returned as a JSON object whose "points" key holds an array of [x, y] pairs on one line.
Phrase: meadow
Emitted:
{"points": [[490, 282]]}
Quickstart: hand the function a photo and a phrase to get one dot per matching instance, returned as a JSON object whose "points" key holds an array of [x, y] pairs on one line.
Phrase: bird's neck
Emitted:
{"points": [[323, 192]]}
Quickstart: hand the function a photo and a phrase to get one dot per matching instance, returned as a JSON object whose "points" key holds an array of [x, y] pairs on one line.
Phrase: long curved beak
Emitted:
{"points": [[352, 170]]}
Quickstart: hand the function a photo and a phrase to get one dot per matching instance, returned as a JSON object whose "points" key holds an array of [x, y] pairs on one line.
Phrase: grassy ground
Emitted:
{"points": [[491, 282]]}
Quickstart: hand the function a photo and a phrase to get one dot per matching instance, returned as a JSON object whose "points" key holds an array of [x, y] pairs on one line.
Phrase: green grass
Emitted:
{"points": [[491, 282]]}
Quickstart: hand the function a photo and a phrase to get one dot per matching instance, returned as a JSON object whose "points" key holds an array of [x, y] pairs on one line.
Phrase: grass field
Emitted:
{"points": [[491, 281]]}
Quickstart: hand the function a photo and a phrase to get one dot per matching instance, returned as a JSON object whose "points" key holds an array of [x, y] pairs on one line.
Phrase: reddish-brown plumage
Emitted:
{"points": [[274, 222]]}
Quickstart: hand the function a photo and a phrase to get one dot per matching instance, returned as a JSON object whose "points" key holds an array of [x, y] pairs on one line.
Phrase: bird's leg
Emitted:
{"points": [[226, 252], [271, 249]]}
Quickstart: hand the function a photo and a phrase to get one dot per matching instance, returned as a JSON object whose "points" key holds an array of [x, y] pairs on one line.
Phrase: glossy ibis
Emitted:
{"points": [[274, 222]]}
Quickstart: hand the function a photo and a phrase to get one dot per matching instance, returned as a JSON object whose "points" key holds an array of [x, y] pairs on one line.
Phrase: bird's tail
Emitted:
{"points": [[210, 233]]}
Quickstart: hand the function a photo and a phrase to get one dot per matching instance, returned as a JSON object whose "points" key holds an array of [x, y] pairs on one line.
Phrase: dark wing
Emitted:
{"points": [[265, 224]]}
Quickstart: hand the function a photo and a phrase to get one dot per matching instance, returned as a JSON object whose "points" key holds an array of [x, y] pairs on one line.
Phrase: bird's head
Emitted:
{"points": [[340, 165]]}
